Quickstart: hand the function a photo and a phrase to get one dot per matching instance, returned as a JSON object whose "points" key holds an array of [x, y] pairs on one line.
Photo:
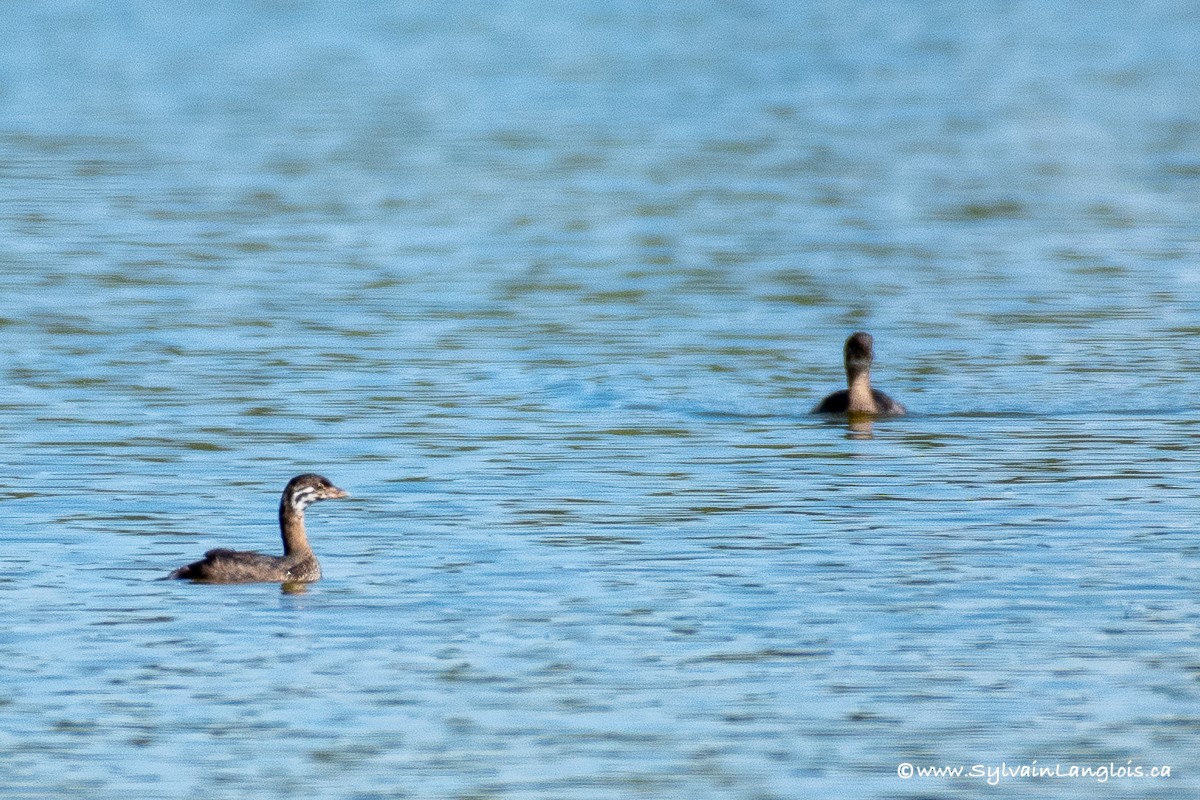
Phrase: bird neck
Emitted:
{"points": [[291, 526], [861, 399]]}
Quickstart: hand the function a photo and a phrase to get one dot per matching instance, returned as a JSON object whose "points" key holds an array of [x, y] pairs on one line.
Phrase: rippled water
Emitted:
{"points": [[549, 289]]}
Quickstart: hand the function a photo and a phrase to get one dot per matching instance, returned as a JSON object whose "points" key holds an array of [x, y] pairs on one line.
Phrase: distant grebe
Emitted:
{"points": [[859, 398], [298, 564]]}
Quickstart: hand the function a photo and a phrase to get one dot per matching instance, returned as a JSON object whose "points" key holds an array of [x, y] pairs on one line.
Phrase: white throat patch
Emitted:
{"points": [[303, 498]]}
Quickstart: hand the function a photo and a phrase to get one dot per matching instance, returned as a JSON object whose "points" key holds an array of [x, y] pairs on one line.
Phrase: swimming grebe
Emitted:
{"points": [[860, 398], [297, 565]]}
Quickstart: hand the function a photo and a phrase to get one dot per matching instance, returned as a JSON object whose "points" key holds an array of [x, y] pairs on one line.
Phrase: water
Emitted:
{"points": [[549, 290]]}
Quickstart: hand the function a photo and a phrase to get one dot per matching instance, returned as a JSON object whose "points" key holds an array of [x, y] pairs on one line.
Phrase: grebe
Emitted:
{"points": [[297, 565], [859, 398]]}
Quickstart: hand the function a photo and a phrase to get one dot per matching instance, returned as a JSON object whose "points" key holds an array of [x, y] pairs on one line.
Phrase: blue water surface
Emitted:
{"points": [[549, 288]]}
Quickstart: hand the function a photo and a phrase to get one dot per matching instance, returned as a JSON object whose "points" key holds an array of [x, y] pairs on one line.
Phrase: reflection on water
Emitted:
{"points": [[550, 292], [860, 426]]}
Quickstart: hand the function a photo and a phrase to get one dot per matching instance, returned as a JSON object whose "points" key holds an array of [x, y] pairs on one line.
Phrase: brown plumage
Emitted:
{"points": [[859, 398], [298, 563]]}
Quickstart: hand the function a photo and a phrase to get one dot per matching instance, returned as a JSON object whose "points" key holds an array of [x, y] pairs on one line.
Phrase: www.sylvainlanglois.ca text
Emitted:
{"points": [[996, 774]]}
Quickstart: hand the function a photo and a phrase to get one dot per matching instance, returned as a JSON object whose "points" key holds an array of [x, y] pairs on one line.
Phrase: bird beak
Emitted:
{"points": [[336, 494]]}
